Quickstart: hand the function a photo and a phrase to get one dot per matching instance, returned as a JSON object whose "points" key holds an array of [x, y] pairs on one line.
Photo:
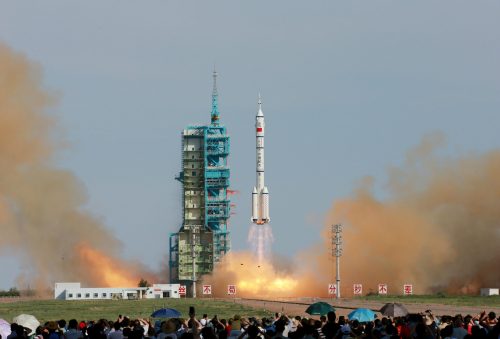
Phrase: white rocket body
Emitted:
{"points": [[260, 193]]}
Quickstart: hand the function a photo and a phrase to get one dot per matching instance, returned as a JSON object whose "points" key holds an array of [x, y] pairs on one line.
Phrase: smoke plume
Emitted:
{"points": [[42, 219], [439, 229]]}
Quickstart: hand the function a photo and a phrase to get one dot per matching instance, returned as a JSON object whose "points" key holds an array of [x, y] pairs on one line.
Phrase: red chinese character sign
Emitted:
{"points": [[408, 289], [358, 289], [182, 290], [231, 289], [207, 289], [332, 289], [382, 288]]}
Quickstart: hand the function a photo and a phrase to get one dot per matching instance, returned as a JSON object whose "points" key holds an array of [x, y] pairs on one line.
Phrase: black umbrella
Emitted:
{"points": [[394, 310]]}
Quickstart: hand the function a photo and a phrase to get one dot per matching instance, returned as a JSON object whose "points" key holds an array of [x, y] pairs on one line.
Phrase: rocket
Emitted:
{"points": [[260, 194]]}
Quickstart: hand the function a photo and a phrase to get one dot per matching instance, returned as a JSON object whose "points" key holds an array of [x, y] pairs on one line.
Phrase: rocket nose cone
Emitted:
{"points": [[254, 190], [265, 190], [259, 112]]}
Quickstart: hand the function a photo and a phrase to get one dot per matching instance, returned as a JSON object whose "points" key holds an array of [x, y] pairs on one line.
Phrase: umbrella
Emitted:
{"points": [[319, 308], [4, 328], [166, 313], [28, 321], [394, 310], [362, 315]]}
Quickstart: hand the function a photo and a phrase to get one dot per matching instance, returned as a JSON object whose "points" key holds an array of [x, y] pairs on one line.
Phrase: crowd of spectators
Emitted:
{"points": [[412, 326]]}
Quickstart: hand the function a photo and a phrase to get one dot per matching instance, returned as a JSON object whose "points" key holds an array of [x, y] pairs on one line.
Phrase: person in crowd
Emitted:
{"points": [[208, 333], [168, 330], [318, 325], [229, 326], [116, 332], [151, 333], [279, 328], [13, 331], [204, 320], [309, 330], [489, 321], [459, 332], [331, 327], [73, 332], [234, 327], [323, 320], [344, 332], [295, 329], [38, 333], [252, 332], [137, 332], [219, 327], [53, 329], [62, 326]]}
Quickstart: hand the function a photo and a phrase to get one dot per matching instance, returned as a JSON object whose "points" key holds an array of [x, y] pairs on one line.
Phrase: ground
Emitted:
{"points": [[109, 309]]}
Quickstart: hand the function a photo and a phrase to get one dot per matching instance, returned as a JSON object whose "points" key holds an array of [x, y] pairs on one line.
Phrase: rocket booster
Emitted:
{"points": [[260, 194]]}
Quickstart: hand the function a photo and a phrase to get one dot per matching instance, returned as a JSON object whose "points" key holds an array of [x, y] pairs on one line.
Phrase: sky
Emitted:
{"points": [[347, 89]]}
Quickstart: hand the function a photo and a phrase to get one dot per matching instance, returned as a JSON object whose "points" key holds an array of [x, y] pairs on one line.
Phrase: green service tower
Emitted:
{"points": [[203, 239]]}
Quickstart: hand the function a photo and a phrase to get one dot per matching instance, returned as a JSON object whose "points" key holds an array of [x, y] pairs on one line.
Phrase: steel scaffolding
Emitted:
{"points": [[204, 237]]}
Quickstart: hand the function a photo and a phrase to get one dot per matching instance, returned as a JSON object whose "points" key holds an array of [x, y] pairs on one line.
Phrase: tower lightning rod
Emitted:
{"points": [[337, 252], [215, 101]]}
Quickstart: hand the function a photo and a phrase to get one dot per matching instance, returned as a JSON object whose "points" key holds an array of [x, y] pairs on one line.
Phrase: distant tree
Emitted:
{"points": [[144, 283], [12, 292]]}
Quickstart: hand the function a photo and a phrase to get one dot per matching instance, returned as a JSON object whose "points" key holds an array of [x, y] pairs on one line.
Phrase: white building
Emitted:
{"points": [[74, 291], [489, 291]]}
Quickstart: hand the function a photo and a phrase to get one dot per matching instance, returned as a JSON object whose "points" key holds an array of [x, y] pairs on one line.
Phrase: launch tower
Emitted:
{"points": [[203, 238]]}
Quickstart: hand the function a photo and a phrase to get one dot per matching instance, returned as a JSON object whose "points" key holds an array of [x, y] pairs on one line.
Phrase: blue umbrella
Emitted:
{"points": [[362, 315], [166, 313]]}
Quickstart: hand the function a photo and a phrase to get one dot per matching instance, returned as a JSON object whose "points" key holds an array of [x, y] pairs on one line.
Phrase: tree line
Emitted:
{"points": [[12, 292]]}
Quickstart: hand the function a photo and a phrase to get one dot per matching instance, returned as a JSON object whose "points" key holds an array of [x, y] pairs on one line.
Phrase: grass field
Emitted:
{"points": [[45, 310]]}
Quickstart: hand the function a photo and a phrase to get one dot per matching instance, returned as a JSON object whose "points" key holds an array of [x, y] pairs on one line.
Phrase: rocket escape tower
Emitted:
{"points": [[203, 238]]}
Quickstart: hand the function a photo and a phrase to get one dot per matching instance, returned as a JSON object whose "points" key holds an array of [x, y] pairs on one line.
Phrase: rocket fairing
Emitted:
{"points": [[260, 193]]}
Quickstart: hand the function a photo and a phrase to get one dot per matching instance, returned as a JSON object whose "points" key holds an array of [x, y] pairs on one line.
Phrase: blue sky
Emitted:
{"points": [[348, 88]]}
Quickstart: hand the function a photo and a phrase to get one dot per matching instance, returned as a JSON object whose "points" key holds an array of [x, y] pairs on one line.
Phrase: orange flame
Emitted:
{"points": [[263, 280], [251, 278]]}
